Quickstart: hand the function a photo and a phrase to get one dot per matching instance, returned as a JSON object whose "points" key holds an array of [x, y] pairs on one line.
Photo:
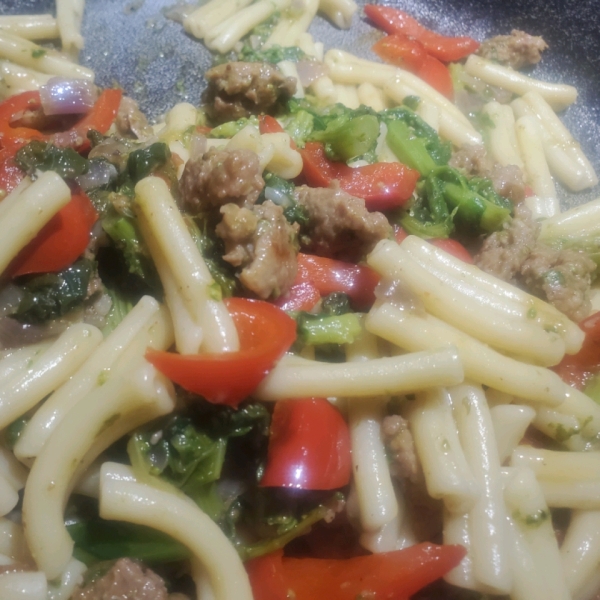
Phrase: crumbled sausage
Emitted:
{"points": [[503, 252], [240, 89], [126, 580], [399, 441], [339, 225], [221, 177], [473, 161], [262, 242], [517, 50], [131, 120]]}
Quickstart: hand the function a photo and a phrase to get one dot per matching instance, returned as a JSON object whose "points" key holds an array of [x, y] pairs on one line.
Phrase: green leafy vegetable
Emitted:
{"points": [[145, 161], [53, 295], [281, 192], [119, 309], [46, 157], [229, 129], [299, 126], [319, 329], [348, 136], [13, 432], [409, 148], [275, 54]]}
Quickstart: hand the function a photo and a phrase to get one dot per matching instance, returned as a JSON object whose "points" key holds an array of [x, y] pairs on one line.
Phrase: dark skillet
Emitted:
{"points": [[131, 43]]}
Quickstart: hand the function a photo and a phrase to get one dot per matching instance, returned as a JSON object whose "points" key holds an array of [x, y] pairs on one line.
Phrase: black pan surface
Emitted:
{"points": [[132, 43]]}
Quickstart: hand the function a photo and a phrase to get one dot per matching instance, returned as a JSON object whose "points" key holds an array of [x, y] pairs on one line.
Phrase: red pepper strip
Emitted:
{"points": [[301, 296], [328, 275], [382, 185], [386, 576], [401, 50], [454, 248], [437, 75], [577, 369], [100, 118], [10, 173], [62, 240], [447, 49], [309, 446], [265, 333]]}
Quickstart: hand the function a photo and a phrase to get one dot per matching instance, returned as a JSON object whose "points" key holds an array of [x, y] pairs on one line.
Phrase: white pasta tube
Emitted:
{"points": [[447, 474], [344, 67], [23, 391], [12, 542], [576, 222], [580, 551], [171, 240], [542, 208], [288, 69], [36, 205], [70, 578], [306, 43], [581, 495], [18, 360], [347, 95], [502, 139], [30, 27], [286, 162], [23, 586], [558, 466], [510, 424], [94, 423], [430, 114], [456, 531], [289, 29], [27, 54], [416, 332], [17, 79], [531, 516], [564, 428], [324, 89], [12, 470], [280, 35], [489, 289], [489, 544], [224, 36], [564, 155], [122, 498], [534, 159], [558, 95], [587, 414], [204, 19], [448, 299], [179, 121], [9, 496], [13, 198], [299, 378], [126, 343], [371, 96], [339, 12], [69, 14]]}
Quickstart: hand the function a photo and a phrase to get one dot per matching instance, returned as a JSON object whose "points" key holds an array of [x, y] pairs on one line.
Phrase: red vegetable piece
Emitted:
{"points": [[13, 138], [577, 369], [387, 576], [301, 296], [10, 173], [309, 446], [265, 333], [328, 275], [437, 75], [447, 49], [453, 247], [399, 234], [382, 185], [266, 577], [269, 124], [400, 50], [62, 240]]}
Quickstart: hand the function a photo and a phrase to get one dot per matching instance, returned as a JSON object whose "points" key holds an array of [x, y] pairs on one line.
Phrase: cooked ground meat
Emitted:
{"points": [[221, 177], [474, 161], [262, 242], [126, 580], [503, 252], [517, 50], [339, 224], [240, 89], [131, 120], [399, 441], [563, 276]]}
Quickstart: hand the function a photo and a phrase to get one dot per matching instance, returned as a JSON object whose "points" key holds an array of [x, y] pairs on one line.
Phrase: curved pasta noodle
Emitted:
{"points": [[122, 498], [23, 586], [69, 14], [30, 27]]}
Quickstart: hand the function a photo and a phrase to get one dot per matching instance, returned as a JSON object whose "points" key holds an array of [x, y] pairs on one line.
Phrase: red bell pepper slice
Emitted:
{"points": [[100, 118], [328, 275], [387, 576], [303, 295], [447, 49], [62, 240], [265, 333], [10, 172], [383, 186], [309, 446], [577, 369], [454, 248]]}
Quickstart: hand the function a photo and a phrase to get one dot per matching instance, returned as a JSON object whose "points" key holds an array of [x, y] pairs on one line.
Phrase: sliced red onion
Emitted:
{"points": [[309, 71], [101, 172], [62, 96]]}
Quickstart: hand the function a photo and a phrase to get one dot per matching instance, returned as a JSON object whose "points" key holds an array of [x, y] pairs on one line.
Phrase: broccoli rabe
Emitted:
{"points": [[281, 192], [42, 156], [275, 54], [229, 129]]}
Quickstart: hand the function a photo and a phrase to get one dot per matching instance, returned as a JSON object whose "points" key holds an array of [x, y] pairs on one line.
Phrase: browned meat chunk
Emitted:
{"points": [[221, 177], [131, 121], [401, 446], [503, 252], [240, 89], [263, 244], [473, 161], [563, 276], [339, 225], [126, 580], [517, 50]]}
